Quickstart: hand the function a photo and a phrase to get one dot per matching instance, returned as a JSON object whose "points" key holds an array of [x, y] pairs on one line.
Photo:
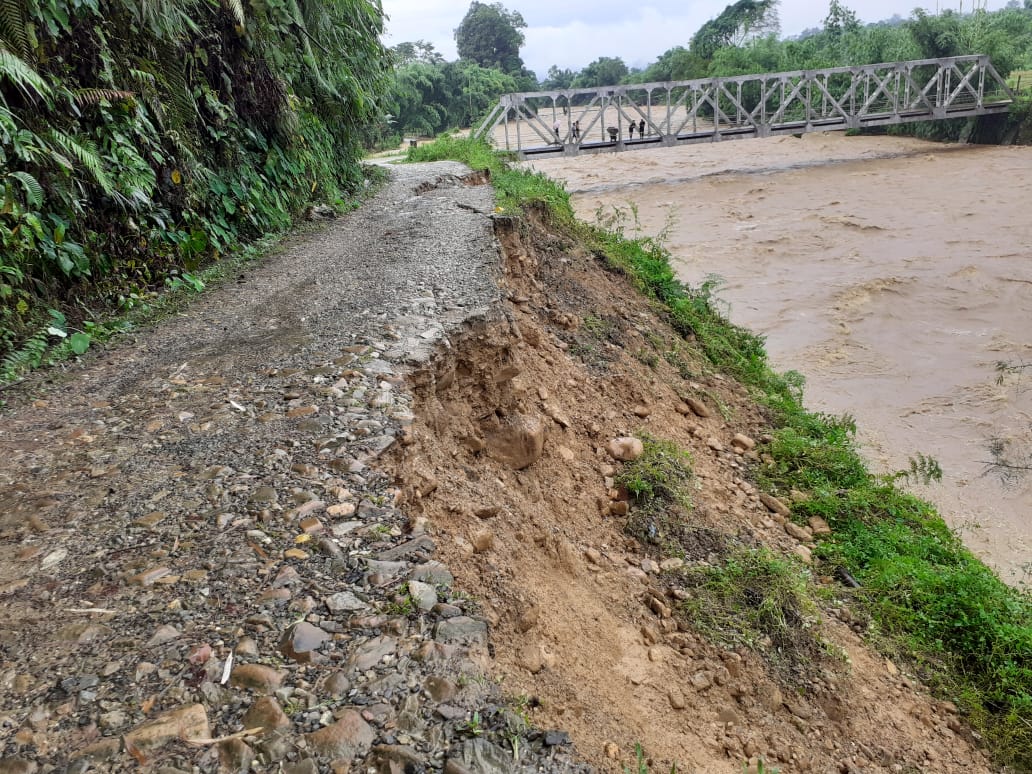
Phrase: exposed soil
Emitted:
{"points": [[572, 599], [229, 545]]}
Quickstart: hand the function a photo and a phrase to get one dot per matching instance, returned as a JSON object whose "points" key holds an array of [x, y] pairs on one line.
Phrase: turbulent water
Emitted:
{"points": [[894, 274]]}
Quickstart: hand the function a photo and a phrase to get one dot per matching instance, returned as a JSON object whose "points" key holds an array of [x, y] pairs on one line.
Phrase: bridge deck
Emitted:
{"points": [[644, 116]]}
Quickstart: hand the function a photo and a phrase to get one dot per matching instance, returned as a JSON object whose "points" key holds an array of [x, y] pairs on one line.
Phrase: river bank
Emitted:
{"points": [[891, 272]]}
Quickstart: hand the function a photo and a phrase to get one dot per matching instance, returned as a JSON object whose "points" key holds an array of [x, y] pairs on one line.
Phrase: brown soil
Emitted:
{"points": [[576, 349]]}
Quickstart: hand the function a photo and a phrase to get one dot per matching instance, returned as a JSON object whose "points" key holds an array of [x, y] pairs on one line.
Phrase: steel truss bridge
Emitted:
{"points": [[598, 120]]}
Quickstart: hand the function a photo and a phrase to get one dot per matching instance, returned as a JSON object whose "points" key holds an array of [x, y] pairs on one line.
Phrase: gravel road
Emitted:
{"points": [[201, 568]]}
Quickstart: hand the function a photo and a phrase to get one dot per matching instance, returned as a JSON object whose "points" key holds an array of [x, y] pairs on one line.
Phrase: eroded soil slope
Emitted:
{"points": [[508, 461]]}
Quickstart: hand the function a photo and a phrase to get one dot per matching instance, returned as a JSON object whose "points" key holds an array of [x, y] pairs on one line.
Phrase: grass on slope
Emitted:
{"points": [[929, 598]]}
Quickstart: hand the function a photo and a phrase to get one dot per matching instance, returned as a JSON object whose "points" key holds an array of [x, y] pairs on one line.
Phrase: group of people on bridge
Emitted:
{"points": [[612, 131]]}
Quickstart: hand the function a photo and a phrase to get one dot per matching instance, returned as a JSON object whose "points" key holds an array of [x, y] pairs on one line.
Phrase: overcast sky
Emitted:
{"points": [[572, 33]]}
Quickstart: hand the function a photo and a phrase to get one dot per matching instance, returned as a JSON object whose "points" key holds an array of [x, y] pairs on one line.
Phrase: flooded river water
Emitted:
{"points": [[892, 273]]}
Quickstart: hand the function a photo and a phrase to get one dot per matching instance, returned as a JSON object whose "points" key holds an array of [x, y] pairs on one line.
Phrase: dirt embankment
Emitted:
{"points": [[508, 462], [204, 568]]}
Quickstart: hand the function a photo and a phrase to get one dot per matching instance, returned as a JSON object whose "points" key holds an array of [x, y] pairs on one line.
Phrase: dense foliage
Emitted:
{"points": [[430, 95], [491, 36], [139, 139]]}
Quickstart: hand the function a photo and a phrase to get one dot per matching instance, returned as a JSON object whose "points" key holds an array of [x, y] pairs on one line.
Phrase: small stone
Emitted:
{"points": [[774, 504], [336, 684], [149, 577], [801, 534], [698, 407], [162, 635], [440, 689], [518, 442], [483, 541], [267, 715], [743, 442], [676, 699], [641, 411], [150, 520], [619, 508], [301, 641], [246, 647], [625, 448], [188, 722], [341, 509], [818, 526], [528, 619], [257, 677], [701, 681], [424, 596], [344, 602], [669, 565], [804, 554], [349, 737], [235, 756]]}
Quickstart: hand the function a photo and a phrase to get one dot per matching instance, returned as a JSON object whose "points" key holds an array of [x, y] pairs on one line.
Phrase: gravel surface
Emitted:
{"points": [[201, 568]]}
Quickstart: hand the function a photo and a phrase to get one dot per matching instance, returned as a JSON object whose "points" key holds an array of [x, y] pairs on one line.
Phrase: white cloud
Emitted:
{"points": [[571, 34]]}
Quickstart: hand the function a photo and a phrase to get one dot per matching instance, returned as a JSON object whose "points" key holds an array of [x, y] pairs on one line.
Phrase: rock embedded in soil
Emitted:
{"points": [[257, 677], [774, 504], [350, 736], [188, 722], [517, 442], [699, 408], [625, 448]]}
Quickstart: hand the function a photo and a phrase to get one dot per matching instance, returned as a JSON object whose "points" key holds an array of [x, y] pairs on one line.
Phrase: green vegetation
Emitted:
{"points": [[930, 600], [143, 140], [762, 600]]}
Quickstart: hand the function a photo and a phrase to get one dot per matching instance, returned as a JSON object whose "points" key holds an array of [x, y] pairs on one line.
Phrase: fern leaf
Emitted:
{"points": [[85, 97], [236, 8], [85, 153], [23, 75], [33, 190], [13, 26]]}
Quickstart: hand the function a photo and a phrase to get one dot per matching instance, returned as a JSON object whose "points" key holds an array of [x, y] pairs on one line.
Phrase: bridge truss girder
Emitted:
{"points": [[713, 109]]}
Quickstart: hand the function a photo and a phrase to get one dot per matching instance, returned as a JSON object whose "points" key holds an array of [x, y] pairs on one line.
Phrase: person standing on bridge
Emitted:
{"points": [[641, 129], [630, 131], [555, 128], [576, 130]]}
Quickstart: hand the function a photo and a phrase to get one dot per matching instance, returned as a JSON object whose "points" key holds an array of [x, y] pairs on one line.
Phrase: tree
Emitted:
{"points": [[416, 51], [558, 79], [604, 71], [675, 64], [491, 36], [840, 20], [738, 23]]}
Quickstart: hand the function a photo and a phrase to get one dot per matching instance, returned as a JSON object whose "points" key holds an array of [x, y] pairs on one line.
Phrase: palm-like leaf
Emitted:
{"points": [[84, 97], [13, 26], [33, 190], [84, 153], [236, 8], [23, 75]]}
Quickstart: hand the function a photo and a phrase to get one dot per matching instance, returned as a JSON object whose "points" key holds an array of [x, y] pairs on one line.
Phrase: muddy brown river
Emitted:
{"points": [[894, 274]]}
